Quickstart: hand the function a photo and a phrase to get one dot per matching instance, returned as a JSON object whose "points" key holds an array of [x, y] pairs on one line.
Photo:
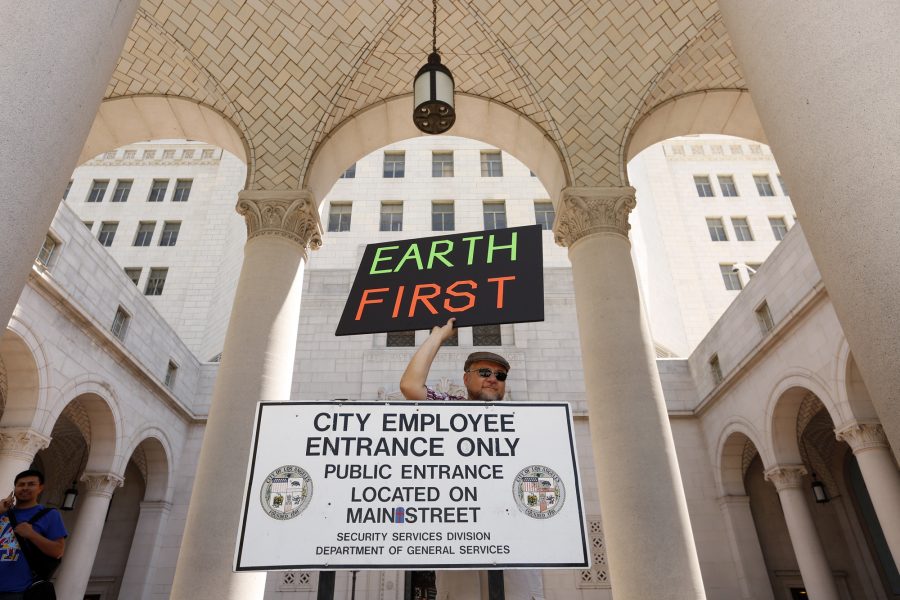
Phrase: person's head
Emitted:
{"points": [[485, 376], [29, 485]]}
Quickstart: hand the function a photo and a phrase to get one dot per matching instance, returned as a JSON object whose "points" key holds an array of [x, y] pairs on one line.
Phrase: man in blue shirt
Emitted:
{"points": [[47, 534]]}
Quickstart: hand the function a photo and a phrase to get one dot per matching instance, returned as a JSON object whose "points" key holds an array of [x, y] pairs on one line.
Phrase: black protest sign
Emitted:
{"points": [[481, 278]]}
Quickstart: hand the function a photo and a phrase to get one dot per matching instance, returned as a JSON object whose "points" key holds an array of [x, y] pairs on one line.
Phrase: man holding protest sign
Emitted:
{"points": [[485, 379]]}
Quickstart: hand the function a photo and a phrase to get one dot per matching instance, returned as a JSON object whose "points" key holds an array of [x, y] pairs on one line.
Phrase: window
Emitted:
{"points": [[491, 164], [130, 154], [207, 154], [88, 224], [123, 188], [98, 189], [134, 274], [763, 185], [704, 187], [784, 188], [48, 249], [726, 184], [182, 190], [168, 154], [391, 216], [396, 339], [349, 173], [171, 372], [752, 268], [494, 215], [716, 229], [486, 335], [149, 154], [442, 216], [764, 318], [158, 190], [741, 229], [339, 216], [144, 233], [730, 277], [170, 233], [68, 187], [120, 323], [187, 154], [155, 282], [779, 227], [544, 214], [442, 164], [394, 164], [107, 233], [715, 368]]}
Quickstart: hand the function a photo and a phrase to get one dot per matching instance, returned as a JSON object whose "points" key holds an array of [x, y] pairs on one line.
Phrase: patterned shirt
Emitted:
{"points": [[15, 575], [435, 396]]}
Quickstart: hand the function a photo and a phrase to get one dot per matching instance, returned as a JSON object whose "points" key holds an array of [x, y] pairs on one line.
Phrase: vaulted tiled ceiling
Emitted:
{"points": [[286, 72]]}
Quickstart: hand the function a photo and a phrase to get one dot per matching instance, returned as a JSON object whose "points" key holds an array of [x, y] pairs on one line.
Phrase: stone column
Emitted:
{"points": [[257, 364], [748, 558], [869, 445], [645, 519], [817, 577], [58, 58], [18, 445], [81, 547], [830, 115], [147, 533]]}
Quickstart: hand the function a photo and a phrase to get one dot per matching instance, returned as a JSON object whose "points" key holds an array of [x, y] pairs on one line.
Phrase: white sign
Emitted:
{"points": [[412, 485]]}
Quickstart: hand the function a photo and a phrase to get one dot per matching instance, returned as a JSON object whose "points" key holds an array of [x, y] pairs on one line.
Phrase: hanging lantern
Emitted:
{"points": [[819, 491], [68, 502], [433, 110]]}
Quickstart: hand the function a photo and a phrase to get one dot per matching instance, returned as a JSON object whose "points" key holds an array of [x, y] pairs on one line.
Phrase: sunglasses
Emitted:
{"points": [[501, 375]]}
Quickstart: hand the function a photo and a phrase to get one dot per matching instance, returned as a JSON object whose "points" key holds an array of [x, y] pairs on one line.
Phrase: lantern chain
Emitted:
{"points": [[434, 26]]}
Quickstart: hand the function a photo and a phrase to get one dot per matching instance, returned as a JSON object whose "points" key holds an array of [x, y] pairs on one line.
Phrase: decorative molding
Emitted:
{"points": [[862, 436], [585, 211], [288, 214], [786, 477], [21, 442], [101, 484], [157, 506], [598, 575]]}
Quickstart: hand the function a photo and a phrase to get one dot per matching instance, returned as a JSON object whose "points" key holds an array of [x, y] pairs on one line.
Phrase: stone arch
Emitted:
{"points": [[784, 408], [850, 389], [151, 451], [732, 454], [23, 376], [100, 407], [721, 111], [390, 121], [129, 119]]}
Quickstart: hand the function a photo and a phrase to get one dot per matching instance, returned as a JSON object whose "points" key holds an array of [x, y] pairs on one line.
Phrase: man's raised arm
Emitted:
{"points": [[412, 384]]}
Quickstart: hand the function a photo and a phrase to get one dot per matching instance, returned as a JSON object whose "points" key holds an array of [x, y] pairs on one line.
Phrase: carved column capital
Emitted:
{"points": [[21, 442], [862, 436], [101, 484], [584, 211], [786, 477], [289, 214]]}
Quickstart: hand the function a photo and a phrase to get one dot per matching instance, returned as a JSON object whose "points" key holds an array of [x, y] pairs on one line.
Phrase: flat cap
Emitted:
{"points": [[488, 356]]}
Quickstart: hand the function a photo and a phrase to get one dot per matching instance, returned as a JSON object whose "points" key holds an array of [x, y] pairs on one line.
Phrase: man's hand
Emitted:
{"points": [[444, 332], [25, 530], [8, 502]]}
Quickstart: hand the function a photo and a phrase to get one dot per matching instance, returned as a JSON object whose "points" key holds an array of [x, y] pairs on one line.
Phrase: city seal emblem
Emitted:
{"points": [[286, 492], [539, 492]]}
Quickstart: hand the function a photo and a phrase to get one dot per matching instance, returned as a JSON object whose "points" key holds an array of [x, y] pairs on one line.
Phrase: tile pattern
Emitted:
{"points": [[288, 72]]}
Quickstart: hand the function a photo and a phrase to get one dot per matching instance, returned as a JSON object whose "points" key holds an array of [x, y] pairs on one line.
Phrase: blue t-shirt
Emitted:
{"points": [[15, 575]]}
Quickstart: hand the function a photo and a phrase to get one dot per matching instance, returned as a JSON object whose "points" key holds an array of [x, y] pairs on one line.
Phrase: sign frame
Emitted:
{"points": [[249, 495]]}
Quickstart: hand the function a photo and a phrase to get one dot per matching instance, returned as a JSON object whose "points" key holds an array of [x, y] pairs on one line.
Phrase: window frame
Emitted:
{"points": [[775, 230], [713, 229], [764, 317], [154, 197], [335, 209], [93, 197], [487, 164], [485, 212], [119, 327], [763, 185], [728, 186], [182, 193], [443, 215], [106, 238], [154, 286], [704, 188], [141, 239], [742, 230], [168, 237], [439, 167], [731, 277], [50, 258], [394, 174], [545, 226], [392, 220]]}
